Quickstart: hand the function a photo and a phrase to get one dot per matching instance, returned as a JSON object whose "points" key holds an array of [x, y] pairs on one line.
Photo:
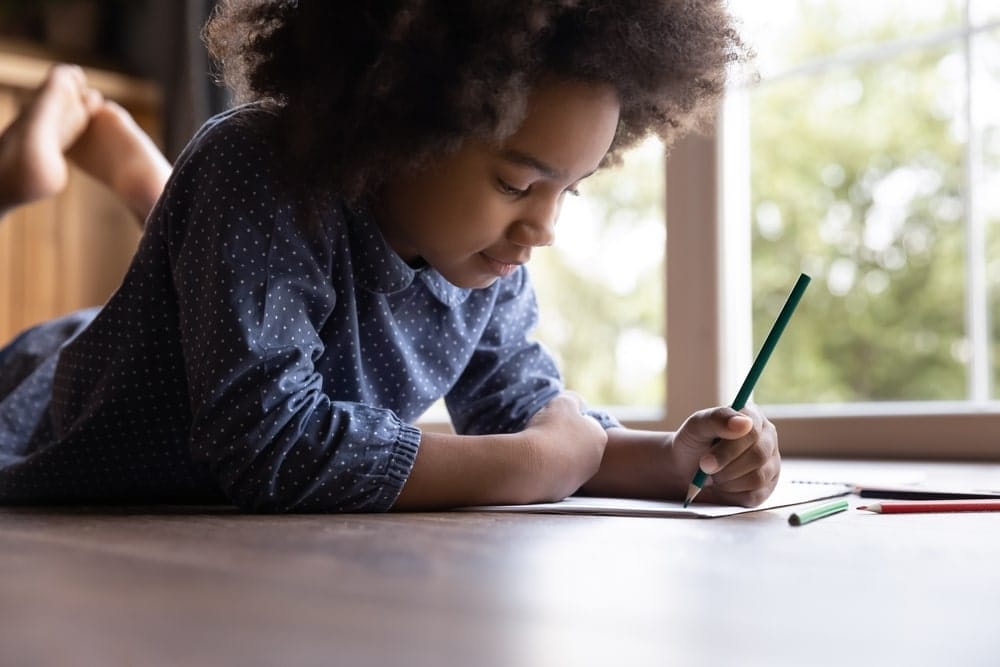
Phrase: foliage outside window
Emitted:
{"points": [[874, 167], [600, 288]]}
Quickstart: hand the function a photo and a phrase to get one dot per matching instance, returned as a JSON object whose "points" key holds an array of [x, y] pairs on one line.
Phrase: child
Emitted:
{"points": [[330, 258]]}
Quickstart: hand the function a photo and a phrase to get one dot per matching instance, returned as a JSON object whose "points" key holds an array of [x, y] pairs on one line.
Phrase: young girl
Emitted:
{"points": [[330, 258]]}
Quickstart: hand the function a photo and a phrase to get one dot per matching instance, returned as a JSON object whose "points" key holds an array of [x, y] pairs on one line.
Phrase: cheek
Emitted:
{"points": [[458, 212], [478, 213]]}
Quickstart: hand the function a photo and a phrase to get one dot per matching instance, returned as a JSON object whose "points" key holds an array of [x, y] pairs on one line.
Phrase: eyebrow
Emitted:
{"points": [[528, 160], [525, 159]]}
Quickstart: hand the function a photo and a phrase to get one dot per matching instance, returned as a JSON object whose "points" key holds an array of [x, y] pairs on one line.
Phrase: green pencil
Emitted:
{"points": [[810, 514], [756, 369]]}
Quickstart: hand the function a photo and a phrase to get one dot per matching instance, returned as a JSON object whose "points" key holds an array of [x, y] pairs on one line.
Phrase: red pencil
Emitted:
{"points": [[934, 506]]}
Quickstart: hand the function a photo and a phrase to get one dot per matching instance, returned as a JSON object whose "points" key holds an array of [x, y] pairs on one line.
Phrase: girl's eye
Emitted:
{"points": [[509, 189]]}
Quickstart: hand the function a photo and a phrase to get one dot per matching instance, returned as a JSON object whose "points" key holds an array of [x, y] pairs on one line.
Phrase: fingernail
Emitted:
{"points": [[709, 464]]}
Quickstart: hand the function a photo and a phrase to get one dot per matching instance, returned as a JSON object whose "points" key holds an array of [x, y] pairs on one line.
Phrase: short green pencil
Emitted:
{"points": [[694, 488], [810, 514]]}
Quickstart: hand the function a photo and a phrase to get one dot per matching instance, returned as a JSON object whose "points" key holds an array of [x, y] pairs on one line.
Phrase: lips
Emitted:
{"points": [[500, 267]]}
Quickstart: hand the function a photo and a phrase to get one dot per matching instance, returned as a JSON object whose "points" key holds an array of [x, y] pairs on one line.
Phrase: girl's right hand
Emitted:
{"points": [[555, 455], [565, 449]]}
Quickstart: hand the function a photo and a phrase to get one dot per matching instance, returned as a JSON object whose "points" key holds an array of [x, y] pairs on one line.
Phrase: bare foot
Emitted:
{"points": [[32, 165], [117, 152]]}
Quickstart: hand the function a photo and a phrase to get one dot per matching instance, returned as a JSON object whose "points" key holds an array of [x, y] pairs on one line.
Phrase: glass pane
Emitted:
{"points": [[834, 26], [983, 11], [600, 288], [985, 102], [857, 179]]}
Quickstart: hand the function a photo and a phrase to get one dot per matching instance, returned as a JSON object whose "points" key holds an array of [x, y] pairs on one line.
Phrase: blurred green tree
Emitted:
{"points": [[600, 288]]}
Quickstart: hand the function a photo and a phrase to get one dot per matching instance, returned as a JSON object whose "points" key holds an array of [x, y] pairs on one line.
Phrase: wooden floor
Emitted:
{"points": [[207, 586]]}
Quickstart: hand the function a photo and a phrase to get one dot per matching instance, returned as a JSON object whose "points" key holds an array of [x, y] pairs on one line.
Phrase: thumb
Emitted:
{"points": [[705, 426], [736, 426]]}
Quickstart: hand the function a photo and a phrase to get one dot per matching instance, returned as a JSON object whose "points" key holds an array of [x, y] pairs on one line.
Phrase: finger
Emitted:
{"points": [[734, 458], [746, 492], [752, 469], [760, 480], [724, 452], [722, 422]]}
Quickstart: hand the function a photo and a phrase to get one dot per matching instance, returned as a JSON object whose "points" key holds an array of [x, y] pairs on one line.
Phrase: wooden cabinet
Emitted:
{"points": [[70, 251]]}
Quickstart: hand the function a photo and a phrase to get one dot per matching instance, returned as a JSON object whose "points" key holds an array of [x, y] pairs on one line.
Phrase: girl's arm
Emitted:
{"points": [[254, 292], [549, 460], [510, 377]]}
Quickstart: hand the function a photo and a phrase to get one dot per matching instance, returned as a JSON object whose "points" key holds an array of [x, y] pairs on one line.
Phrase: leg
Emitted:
{"points": [[68, 119], [114, 150], [32, 164]]}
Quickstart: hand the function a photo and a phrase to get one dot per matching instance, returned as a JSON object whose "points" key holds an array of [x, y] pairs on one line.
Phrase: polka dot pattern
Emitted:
{"points": [[251, 358]]}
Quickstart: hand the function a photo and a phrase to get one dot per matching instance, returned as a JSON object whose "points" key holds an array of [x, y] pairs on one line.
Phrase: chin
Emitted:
{"points": [[471, 282], [481, 283]]}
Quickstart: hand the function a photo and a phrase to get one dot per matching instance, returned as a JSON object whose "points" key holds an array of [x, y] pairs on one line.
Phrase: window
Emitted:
{"points": [[866, 153]]}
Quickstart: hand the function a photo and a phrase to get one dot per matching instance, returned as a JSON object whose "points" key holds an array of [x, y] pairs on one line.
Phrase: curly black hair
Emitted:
{"points": [[363, 89]]}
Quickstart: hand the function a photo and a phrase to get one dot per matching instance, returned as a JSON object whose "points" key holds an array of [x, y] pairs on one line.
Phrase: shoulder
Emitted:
{"points": [[230, 164], [230, 191], [244, 133]]}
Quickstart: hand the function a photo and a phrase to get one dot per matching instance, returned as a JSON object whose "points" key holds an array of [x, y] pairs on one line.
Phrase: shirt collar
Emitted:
{"points": [[378, 268]]}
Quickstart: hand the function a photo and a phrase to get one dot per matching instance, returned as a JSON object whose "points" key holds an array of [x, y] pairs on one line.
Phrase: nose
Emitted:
{"points": [[537, 224]]}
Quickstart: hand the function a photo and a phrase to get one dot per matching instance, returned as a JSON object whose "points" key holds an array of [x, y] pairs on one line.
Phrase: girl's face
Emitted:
{"points": [[476, 214]]}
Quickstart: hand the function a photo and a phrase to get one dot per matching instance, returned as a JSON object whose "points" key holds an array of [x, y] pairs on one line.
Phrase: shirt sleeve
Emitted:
{"points": [[254, 293], [510, 376]]}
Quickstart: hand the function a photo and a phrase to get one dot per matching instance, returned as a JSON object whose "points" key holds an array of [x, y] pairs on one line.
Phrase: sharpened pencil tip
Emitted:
{"points": [[693, 491]]}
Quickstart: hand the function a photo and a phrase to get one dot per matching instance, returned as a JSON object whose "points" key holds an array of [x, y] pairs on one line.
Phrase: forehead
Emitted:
{"points": [[569, 126]]}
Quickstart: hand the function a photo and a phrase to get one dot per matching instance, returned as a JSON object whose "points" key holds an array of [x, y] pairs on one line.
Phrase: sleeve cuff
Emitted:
{"points": [[401, 464]]}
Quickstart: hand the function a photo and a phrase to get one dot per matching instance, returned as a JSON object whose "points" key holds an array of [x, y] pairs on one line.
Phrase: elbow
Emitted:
{"points": [[251, 498]]}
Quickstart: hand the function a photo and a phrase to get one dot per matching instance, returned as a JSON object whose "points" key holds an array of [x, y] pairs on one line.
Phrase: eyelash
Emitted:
{"points": [[509, 189]]}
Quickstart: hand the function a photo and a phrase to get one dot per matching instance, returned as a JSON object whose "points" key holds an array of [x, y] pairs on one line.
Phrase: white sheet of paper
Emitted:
{"points": [[786, 493]]}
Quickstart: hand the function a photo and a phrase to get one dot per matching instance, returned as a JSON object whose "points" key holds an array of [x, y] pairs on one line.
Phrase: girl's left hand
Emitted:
{"points": [[743, 467]]}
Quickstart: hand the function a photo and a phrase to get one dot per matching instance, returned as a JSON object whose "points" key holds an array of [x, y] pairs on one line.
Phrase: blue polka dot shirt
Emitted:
{"points": [[253, 359]]}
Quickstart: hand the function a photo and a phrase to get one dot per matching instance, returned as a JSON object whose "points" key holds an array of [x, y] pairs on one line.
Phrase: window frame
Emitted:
{"points": [[708, 296]]}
